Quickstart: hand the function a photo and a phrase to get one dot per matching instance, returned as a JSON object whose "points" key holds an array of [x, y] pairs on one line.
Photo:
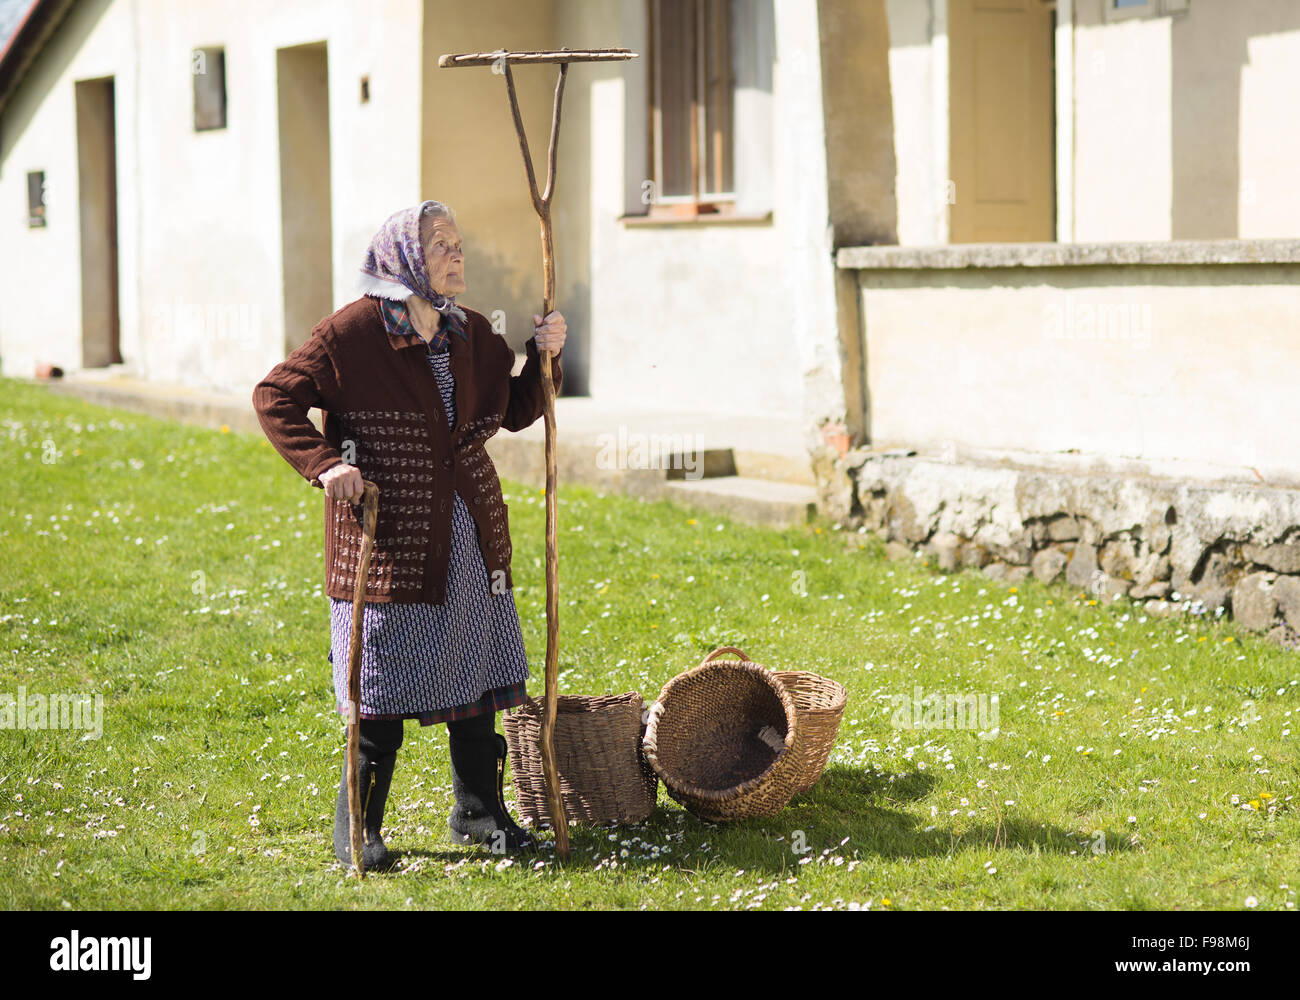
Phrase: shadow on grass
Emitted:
{"points": [[857, 804], [853, 803]]}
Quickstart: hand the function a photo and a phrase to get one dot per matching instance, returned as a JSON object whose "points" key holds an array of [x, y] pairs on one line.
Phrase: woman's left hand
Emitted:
{"points": [[549, 334]]}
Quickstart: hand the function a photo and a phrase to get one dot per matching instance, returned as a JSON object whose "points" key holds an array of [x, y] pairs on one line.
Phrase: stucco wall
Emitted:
{"points": [[1122, 177], [470, 159], [1269, 203], [1159, 362], [732, 318], [921, 156], [199, 213], [1181, 126], [38, 132]]}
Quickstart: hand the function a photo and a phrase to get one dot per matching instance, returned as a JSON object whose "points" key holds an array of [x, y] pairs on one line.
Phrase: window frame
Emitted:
{"points": [[1148, 8], [698, 203]]}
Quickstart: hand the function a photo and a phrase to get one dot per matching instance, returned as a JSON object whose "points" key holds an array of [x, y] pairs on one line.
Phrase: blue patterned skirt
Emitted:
{"points": [[436, 662]]}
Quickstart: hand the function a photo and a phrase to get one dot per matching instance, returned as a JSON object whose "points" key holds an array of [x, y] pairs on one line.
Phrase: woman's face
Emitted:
{"points": [[442, 256]]}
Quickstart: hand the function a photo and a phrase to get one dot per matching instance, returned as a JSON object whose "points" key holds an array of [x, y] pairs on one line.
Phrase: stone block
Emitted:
{"points": [[1082, 567], [1063, 528], [1287, 592], [1254, 605], [1048, 564], [1283, 557], [946, 550]]}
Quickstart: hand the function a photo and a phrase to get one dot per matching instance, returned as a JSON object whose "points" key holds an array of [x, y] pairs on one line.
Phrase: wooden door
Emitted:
{"points": [[306, 201], [1001, 120], [97, 180]]}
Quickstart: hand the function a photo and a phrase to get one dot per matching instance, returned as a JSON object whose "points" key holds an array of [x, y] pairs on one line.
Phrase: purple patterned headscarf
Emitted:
{"points": [[394, 266]]}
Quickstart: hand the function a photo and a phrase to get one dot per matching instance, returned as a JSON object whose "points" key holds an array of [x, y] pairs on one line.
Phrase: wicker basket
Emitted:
{"points": [[603, 776], [723, 737], [819, 703]]}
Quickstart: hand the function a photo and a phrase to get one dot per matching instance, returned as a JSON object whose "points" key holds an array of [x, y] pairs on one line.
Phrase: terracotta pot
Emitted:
{"points": [[836, 436], [840, 442]]}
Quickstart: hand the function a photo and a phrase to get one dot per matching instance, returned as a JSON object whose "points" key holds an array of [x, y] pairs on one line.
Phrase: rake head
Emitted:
{"points": [[502, 56]]}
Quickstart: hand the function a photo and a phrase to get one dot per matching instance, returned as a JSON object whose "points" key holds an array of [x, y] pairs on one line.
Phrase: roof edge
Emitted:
{"points": [[27, 42]]}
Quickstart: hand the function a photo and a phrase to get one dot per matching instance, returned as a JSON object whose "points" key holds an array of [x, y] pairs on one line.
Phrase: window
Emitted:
{"points": [[692, 87], [36, 200], [209, 70], [1119, 9]]}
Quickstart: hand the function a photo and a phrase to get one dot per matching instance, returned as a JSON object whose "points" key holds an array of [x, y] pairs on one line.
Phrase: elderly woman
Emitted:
{"points": [[412, 385]]}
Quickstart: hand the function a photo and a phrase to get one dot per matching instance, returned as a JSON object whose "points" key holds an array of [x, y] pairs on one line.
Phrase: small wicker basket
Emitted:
{"points": [[819, 703], [724, 739], [603, 776]]}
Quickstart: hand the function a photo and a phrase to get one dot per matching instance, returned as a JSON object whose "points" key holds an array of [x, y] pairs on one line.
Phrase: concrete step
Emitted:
{"points": [[745, 498], [170, 402], [761, 446], [774, 466], [747, 483], [755, 501]]}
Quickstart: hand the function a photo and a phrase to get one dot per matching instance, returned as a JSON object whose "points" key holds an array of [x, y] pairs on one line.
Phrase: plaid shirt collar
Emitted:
{"points": [[397, 321]]}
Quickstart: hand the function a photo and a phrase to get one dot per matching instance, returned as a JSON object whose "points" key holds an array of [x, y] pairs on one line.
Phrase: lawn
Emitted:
{"points": [[1136, 762]]}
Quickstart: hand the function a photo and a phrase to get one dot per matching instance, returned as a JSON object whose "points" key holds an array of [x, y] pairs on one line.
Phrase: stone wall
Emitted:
{"points": [[1204, 547]]}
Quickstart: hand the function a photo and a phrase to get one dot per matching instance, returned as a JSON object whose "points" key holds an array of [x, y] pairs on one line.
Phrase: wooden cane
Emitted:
{"points": [[370, 517], [500, 61]]}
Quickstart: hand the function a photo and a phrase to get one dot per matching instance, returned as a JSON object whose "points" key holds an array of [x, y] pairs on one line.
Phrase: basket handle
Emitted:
{"points": [[726, 649]]}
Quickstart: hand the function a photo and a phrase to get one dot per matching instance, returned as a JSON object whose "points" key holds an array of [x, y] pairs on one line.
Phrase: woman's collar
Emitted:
{"points": [[401, 331]]}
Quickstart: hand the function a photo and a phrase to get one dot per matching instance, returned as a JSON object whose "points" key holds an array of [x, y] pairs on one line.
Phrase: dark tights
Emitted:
{"points": [[380, 737], [476, 728]]}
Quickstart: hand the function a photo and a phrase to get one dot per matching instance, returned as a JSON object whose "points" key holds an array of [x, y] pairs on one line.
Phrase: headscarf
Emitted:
{"points": [[394, 266]]}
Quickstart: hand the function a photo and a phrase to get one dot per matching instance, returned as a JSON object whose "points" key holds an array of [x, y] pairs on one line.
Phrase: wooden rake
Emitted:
{"points": [[501, 61]]}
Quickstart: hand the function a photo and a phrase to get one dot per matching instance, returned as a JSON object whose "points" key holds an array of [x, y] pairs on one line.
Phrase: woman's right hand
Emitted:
{"points": [[343, 482]]}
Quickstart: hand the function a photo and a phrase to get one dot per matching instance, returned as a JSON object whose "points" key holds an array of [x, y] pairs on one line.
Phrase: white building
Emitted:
{"points": [[781, 210]]}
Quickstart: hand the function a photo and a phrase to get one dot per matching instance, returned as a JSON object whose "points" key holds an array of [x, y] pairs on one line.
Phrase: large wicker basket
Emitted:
{"points": [[603, 776], [723, 737], [819, 703]]}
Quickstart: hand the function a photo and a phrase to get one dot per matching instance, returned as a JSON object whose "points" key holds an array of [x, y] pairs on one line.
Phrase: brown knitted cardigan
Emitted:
{"points": [[380, 401]]}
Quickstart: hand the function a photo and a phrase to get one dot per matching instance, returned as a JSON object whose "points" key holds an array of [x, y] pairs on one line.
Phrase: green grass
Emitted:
{"points": [[176, 571]]}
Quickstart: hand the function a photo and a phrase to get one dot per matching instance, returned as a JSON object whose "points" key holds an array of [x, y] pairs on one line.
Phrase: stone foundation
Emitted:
{"points": [[1204, 547]]}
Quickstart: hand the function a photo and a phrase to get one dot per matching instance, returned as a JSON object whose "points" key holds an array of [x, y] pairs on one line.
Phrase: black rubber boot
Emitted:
{"points": [[375, 762], [478, 758]]}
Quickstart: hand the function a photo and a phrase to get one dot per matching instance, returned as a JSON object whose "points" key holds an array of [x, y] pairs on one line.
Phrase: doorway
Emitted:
{"points": [[1001, 121], [302, 74], [101, 328]]}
